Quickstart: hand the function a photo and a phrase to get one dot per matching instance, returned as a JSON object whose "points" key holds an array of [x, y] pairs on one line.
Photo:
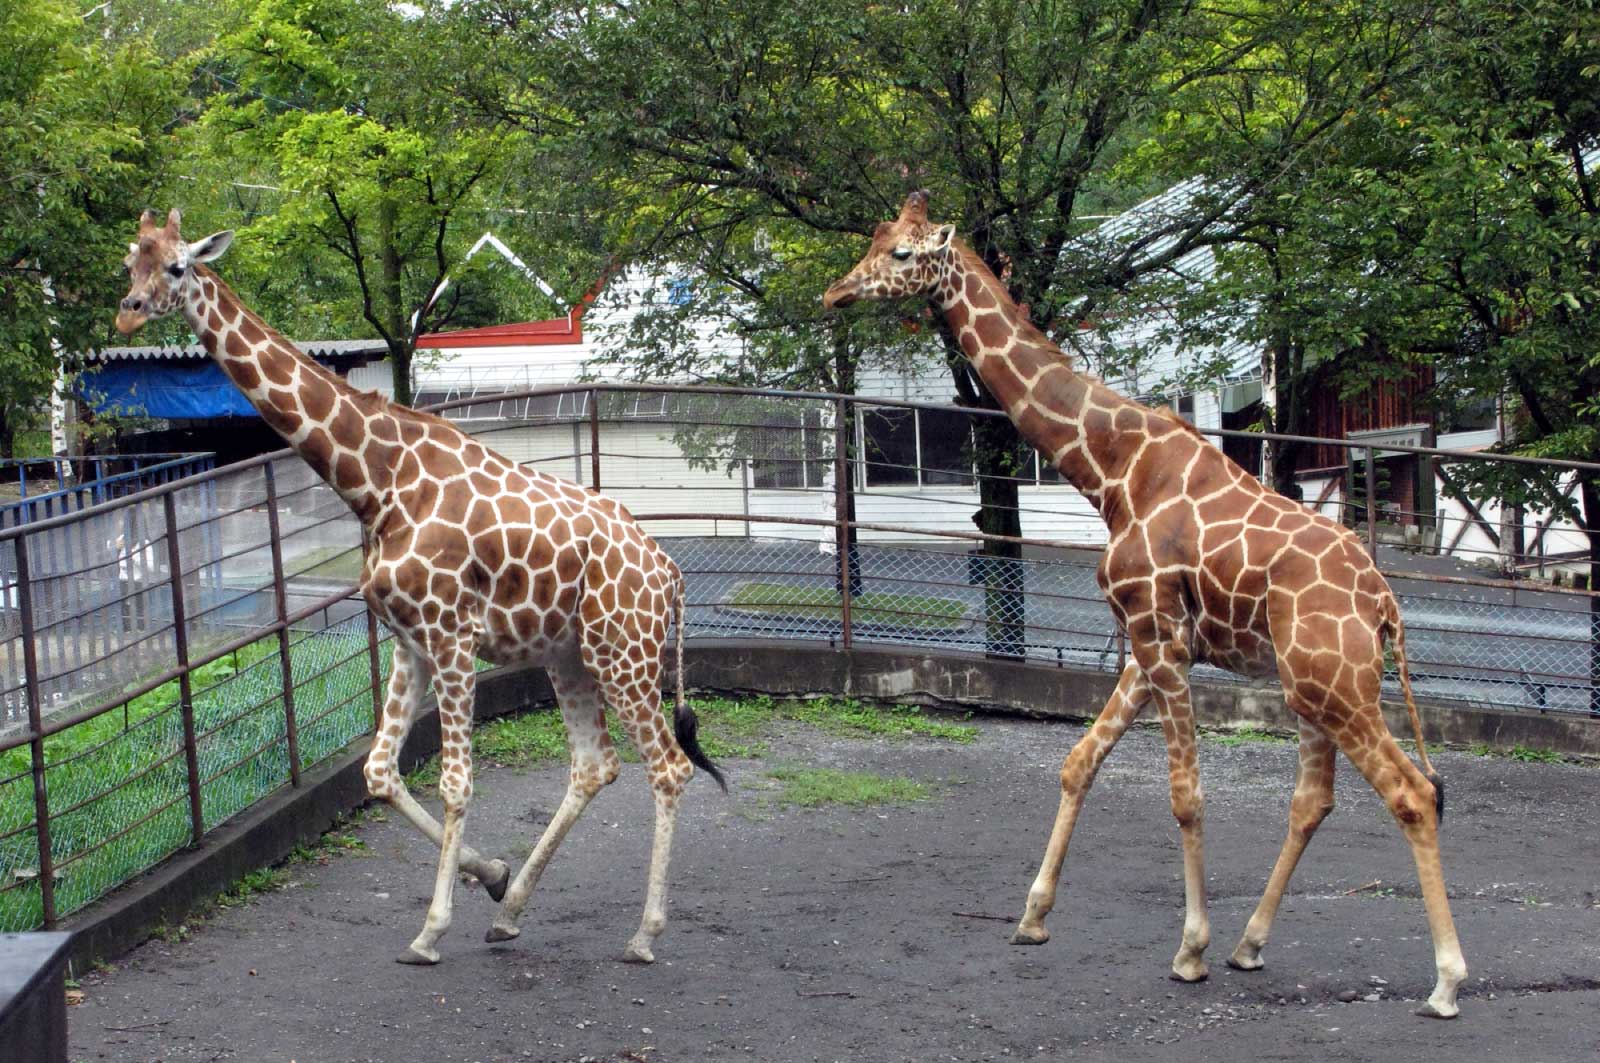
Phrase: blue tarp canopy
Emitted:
{"points": [[174, 390]]}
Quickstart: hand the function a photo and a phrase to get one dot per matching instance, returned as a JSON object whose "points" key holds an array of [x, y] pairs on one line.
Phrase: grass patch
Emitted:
{"points": [[1519, 752], [1244, 735], [916, 611], [730, 729], [820, 787], [1534, 756], [341, 563]]}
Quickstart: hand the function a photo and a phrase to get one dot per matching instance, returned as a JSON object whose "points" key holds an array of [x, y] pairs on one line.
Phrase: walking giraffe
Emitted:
{"points": [[466, 555], [1202, 563]]}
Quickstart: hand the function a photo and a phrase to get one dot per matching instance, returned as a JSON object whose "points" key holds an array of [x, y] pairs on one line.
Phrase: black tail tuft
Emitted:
{"points": [[1438, 794], [687, 726]]}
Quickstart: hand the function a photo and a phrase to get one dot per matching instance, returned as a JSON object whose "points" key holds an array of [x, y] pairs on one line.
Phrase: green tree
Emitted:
{"points": [[82, 133], [694, 124], [349, 111]]}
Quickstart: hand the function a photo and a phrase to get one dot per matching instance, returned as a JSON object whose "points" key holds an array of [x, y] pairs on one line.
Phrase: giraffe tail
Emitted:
{"points": [[685, 725], [1396, 631]]}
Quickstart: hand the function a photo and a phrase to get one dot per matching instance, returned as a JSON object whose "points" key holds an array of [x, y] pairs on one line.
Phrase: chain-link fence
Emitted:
{"points": [[173, 656], [168, 680]]}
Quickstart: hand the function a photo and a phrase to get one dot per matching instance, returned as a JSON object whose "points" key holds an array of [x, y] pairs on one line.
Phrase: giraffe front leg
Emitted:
{"points": [[454, 684], [407, 681], [1077, 775], [1170, 680], [594, 766]]}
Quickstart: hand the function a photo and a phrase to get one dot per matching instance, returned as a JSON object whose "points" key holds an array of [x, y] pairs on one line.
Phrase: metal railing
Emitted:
{"points": [[229, 653]]}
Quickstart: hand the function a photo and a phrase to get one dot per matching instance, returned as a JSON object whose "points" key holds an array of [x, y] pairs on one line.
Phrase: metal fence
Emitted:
{"points": [[229, 652]]}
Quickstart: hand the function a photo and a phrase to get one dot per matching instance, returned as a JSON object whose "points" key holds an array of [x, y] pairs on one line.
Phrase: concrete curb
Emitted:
{"points": [[268, 831]]}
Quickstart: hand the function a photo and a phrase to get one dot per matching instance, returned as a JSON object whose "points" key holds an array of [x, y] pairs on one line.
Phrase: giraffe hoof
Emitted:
{"points": [[411, 957], [500, 933], [1029, 935], [636, 953], [496, 887], [1430, 1010], [1241, 962], [1198, 973]]}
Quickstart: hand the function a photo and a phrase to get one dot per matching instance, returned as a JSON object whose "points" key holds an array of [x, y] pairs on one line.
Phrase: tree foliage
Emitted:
{"points": [[83, 139], [347, 108]]}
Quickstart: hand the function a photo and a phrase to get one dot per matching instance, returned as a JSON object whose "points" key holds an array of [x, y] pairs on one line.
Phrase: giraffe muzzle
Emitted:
{"points": [[130, 321], [842, 294]]}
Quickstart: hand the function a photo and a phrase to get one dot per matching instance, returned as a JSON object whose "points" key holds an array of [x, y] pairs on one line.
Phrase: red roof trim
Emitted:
{"points": [[518, 334], [549, 332]]}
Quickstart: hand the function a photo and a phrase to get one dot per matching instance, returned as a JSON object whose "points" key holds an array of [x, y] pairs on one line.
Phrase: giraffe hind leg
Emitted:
{"points": [[1312, 801], [1411, 799]]}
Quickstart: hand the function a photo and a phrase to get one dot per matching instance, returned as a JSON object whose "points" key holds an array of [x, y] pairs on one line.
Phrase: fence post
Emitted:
{"points": [[291, 728], [841, 512], [180, 639], [377, 672], [594, 439], [1372, 505], [41, 802]]}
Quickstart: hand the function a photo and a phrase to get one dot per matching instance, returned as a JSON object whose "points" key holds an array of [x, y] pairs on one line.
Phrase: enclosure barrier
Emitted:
{"points": [[213, 648]]}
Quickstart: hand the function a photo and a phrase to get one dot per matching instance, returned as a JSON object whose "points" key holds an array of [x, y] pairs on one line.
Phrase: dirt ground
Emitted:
{"points": [[864, 934]]}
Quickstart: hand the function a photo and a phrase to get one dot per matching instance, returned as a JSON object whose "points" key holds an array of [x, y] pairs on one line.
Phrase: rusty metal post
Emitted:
{"points": [[1372, 506], [594, 439], [291, 728], [41, 802], [841, 512], [180, 639], [376, 670]]}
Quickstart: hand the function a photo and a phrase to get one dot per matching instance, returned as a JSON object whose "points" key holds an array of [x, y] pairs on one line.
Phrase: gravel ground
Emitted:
{"points": [[864, 934]]}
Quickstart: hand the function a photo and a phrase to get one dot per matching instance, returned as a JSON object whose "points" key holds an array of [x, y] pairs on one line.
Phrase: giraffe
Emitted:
{"points": [[466, 555], [1202, 563]]}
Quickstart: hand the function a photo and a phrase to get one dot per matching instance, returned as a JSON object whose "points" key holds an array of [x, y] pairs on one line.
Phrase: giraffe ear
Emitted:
{"points": [[941, 238], [211, 248]]}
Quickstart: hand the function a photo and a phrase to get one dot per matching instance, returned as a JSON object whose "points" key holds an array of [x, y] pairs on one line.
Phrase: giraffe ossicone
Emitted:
{"points": [[1202, 563], [466, 554]]}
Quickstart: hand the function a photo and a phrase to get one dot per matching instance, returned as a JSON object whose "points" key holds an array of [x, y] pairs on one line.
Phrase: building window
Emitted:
{"points": [[944, 441], [680, 291], [890, 437], [788, 452], [1183, 406]]}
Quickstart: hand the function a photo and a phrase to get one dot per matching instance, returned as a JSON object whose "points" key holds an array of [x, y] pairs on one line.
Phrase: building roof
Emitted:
{"points": [[195, 352], [553, 331]]}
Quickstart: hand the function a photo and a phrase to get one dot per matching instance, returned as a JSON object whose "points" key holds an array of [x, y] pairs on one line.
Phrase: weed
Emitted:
{"points": [[1534, 756], [1243, 735], [817, 787], [918, 611]]}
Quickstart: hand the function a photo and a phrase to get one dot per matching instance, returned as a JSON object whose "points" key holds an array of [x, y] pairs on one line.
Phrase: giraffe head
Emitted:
{"points": [[160, 266], [907, 258]]}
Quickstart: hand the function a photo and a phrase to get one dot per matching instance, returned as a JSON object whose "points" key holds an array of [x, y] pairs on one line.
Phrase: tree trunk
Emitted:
{"points": [[392, 295], [999, 448]]}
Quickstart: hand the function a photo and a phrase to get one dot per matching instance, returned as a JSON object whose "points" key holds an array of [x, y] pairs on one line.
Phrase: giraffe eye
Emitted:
{"points": [[900, 254]]}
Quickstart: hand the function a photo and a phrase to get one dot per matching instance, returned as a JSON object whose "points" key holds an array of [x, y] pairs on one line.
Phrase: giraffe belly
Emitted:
{"points": [[1248, 653]]}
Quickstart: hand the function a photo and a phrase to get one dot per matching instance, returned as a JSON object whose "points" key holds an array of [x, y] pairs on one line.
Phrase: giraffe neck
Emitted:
{"points": [[1072, 419], [347, 436]]}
